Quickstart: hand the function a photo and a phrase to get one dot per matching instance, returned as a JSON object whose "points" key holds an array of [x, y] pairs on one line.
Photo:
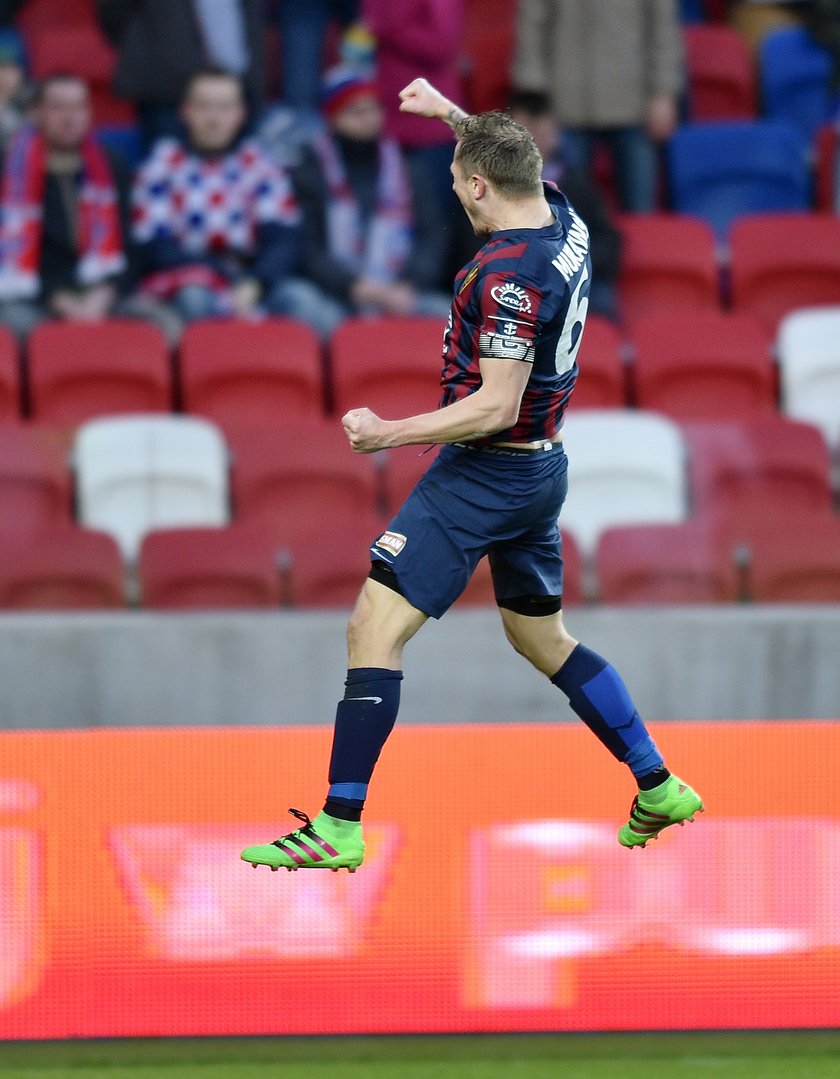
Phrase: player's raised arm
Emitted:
{"points": [[422, 99]]}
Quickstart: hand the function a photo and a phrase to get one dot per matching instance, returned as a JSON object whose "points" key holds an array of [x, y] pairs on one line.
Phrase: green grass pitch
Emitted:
{"points": [[770, 1055]]}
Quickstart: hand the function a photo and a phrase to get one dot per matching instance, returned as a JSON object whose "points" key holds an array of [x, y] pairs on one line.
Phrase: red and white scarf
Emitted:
{"points": [[22, 215], [380, 252]]}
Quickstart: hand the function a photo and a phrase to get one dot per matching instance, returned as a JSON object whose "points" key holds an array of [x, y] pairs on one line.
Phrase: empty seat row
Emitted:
{"points": [[245, 567], [138, 474]]}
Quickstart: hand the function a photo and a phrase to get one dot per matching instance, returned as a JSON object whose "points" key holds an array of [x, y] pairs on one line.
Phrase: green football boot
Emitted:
{"points": [[325, 843], [672, 802]]}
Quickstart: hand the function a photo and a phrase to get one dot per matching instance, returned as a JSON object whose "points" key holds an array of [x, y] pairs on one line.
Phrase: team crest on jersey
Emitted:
{"points": [[510, 295], [391, 541]]}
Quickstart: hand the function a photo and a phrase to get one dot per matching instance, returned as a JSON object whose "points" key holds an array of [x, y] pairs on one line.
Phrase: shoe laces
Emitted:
{"points": [[307, 828]]}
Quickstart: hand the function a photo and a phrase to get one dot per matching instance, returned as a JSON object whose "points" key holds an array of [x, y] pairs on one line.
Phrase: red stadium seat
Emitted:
{"points": [[209, 568], [251, 374], [797, 561], [703, 366], [489, 41], [328, 561], [302, 477], [721, 74], [666, 564], [401, 469], [784, 261], [391, 365], [668, 264], [10, 403], [740, 469], [35, 479], [37, 14], [68, 568], [600, 382], [79, 48], [81, 370]]}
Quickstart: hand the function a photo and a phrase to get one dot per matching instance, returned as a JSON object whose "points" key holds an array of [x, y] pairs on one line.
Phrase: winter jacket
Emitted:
{"points": [[159, 46], [600, 61]]}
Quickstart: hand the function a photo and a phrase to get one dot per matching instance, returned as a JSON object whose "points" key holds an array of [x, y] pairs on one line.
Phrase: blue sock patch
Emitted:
{"points": [[598, 695], [363, 721]]}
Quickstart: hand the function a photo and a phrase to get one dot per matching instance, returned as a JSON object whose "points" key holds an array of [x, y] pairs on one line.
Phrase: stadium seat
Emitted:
{"points": [[796, 563], [81, 370], [624, 468], [721, 74], [489, 41], [703, 366], [723, 171], [304, 477], [135, 474], [35, 482], [79, 48], [68, 568], [784, 261], [209, 568], [666, 564], [600, 381], [667, 264], [10, 402], [401, 468], [327, 566], [251, 374], [391, 365], [795, 78], [808, 351], [739, 469]]}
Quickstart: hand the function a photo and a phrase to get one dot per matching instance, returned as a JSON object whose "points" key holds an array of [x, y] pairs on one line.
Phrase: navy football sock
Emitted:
{"points": [[598, 695], [363, 721]]}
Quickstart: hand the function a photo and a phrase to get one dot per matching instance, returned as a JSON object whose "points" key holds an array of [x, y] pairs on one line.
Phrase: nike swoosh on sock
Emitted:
{"points": [[376, 700]]}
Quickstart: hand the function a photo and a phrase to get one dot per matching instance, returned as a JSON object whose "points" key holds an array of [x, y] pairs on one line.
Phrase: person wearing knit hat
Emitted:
{"points": [[343, 85], [372, 238]]}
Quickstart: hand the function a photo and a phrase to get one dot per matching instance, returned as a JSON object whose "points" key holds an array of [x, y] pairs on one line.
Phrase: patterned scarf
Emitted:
{"points": [[382, 252], [21, 220]]}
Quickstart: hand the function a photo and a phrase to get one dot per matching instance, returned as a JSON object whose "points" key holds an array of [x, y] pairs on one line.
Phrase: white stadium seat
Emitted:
{"points": [[135, 474], [625, 468], [808, 349]]}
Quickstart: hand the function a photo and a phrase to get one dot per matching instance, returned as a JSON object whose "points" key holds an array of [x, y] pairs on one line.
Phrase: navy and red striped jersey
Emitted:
{"points": [[523, 297]]}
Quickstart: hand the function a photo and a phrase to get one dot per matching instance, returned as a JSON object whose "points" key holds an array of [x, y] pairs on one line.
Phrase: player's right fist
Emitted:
{"points": [[422, 99]]}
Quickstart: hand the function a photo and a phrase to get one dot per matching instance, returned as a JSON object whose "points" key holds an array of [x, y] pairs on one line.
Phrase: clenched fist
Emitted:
{"points": [[366, 431]]}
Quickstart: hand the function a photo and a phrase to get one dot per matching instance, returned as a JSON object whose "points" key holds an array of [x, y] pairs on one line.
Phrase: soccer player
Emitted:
{"points": [[496, 489]]}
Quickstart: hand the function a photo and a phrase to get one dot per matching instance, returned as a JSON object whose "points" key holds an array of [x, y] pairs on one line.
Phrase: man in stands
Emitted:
{"points": [[65, 247], [214, 217], [373, 244]]}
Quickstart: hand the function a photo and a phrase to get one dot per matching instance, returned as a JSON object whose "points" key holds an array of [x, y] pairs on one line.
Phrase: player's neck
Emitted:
{"points": [[525, 214]]}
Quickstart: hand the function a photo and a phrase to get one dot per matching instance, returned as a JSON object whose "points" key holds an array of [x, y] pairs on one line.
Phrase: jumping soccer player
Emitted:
{"points": [[496, 489]]}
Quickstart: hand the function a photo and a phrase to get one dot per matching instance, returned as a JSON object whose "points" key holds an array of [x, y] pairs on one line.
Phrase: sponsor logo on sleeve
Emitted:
{"points": [[510, 295]]}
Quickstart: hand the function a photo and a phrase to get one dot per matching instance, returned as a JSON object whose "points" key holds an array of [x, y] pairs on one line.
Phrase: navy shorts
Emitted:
{"points": [[470, 504]]}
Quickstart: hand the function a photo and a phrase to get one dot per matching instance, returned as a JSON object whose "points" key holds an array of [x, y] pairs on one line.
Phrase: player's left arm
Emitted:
{"points": [[493, 407]]}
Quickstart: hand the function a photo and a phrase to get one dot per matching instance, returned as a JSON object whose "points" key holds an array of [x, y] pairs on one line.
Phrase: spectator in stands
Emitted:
{"points": [[427, 36], [303, 33], [65, 248], [613, 70], [372, 238], [14, 90], [161, 44], [533, 111], [215, 218]]}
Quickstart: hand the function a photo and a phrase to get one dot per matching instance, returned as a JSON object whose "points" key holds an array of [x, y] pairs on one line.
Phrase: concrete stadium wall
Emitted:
{"points": [[144, 669]]}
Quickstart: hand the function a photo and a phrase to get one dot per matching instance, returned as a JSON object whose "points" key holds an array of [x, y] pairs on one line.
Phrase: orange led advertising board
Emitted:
{"points": [[494, 895]]}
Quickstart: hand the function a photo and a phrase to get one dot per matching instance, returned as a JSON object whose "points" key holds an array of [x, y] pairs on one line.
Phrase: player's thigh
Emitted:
{"points": [[382, 622]]}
